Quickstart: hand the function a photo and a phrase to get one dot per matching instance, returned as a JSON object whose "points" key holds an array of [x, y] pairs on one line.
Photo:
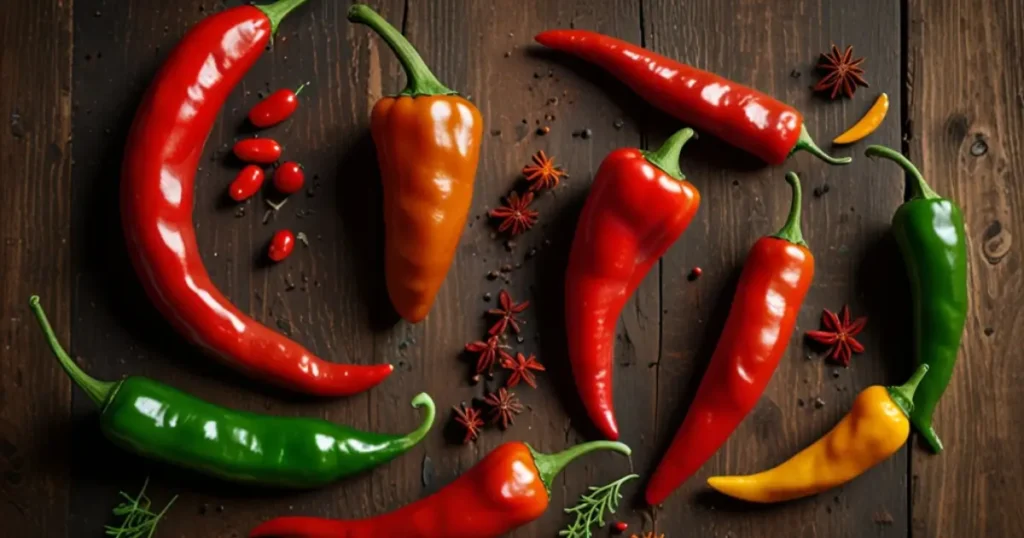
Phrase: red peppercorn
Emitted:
{"points": [[695, 273], [282, 245], [246, 183], [289, 177], [276, 108], [620, 526], [258, 150]]}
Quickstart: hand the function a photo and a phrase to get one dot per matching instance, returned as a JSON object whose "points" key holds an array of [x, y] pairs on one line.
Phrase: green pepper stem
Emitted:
{"points": [[919, 187], [97, 390], [420, 400], [277, 11], [903, 395], [549, 465], [421, 81], [791, 230], [667, 156], [301, 87], [806, 143]]}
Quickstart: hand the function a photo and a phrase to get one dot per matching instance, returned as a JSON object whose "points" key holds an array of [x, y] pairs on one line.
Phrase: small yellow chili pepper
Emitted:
{"points": [[867, 124], [870, 433]]}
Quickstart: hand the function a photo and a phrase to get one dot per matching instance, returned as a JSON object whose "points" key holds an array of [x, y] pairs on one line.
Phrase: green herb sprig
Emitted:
{"points": [[139, 521], [592, 507]]}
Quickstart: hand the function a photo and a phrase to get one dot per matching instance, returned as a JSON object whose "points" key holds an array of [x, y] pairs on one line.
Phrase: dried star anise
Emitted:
{"points": [[842, 73], [543, 173], [504, 407], [508, 313], [840, 335], [516, 214], [469, 418], [521, 367], [489, 352]]}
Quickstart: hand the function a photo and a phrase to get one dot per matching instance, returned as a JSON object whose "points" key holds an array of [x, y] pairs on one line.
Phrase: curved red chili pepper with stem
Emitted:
{"points": [[772, 287], [639, 204], [157, 191], [742, 116]]}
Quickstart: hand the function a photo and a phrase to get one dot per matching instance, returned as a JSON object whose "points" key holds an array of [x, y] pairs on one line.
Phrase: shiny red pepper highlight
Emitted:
{"points": [[289, 178], [162, 154], [739, 115], [246, 183], [257, 150], [639, 204], [771, 289], [275, 108]]}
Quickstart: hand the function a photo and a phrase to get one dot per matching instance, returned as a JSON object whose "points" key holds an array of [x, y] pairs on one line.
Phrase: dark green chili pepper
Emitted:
{"points": [[930, 232], [155, 420]]}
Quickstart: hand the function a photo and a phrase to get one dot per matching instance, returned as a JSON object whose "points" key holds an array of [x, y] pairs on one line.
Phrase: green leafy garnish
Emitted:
{"points": [[139, 520], [592, 507]]}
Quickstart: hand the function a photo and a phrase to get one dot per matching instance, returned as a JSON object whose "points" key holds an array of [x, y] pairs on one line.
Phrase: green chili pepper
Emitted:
{"points": [[155, 420], [930, 232]]}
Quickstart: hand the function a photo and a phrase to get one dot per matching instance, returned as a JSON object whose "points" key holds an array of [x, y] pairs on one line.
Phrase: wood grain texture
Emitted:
{"points": [[967, 118], [35, 156]]}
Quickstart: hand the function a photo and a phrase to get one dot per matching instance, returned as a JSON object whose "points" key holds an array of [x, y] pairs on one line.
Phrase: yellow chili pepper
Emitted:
{"points": [[870, 433], [867, 124]]}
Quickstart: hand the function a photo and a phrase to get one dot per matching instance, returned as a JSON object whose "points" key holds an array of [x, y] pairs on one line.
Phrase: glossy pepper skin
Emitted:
{"points": [[739, 115], [257, 150], [638, 206], [771, 290], [505, 490], [428, 148], [275, 108], [157, 196], [157, 421], [874, 429], [929, 230]]}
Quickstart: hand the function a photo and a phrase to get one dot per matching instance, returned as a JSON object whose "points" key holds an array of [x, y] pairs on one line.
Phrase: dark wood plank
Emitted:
{"points": [[966, 118], [35, 155], [774, 49]]}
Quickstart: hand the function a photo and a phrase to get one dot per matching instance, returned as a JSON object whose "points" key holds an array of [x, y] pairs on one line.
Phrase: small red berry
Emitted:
{"points": [[276, 108], [282, 245], [258, 150], [246, 183], [620, 526], [289, 177], [695, 273]]}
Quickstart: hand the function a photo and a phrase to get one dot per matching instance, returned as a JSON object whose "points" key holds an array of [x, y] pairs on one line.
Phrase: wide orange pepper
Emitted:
{"points": [[428, 147]]}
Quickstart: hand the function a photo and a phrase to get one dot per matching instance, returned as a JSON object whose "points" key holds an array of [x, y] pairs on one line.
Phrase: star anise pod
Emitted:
{"points": [[489, 351], [543, 173], [840, 335], [504, 407], [521, 367], [469, 418], [508, 313], [842, 73], [516, 213]]}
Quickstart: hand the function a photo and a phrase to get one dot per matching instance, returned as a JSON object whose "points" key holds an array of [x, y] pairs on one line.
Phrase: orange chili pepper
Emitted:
{"points": [[428, 147], [867, 124]]}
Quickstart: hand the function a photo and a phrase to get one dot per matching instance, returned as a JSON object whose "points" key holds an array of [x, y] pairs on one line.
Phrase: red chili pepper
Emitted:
{"points": [[258, 150], [771, 289], [288, 178], [275, 108], [281, 245], [246, 183], [157, 196], [507, 489], [742, 116], [639, 204]]}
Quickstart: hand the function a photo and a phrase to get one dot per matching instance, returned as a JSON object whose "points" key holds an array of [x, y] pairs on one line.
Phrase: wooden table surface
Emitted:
{"points": [[73, 72]]}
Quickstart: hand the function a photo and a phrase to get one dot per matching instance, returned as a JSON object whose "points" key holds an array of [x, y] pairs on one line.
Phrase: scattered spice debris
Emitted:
{"points": [[587, 133], [469, 419], [521, 368], [543, 174], [240, 212], [274, 208], [842, 73], [495, 132], [618, 124], [839, 334], [504, 407], [507, 312], [487, 297], [516, 213], [800, 402], [301, 238], [794, 74], [493, 275], [488, 353], [883, 518], [819, 403], [543, 130]]}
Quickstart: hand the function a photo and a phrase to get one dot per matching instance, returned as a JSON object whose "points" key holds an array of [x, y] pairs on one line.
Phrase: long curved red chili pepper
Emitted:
{"points": [[508, 488], [771, 290], [742, 116], [639, 204], [161, 157]]}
